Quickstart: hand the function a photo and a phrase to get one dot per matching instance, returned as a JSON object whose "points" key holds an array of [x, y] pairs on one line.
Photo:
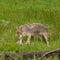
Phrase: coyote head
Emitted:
{"points": [[19, 32]]}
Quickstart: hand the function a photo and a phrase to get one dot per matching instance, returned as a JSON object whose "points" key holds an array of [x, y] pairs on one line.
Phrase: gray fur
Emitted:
{"points": [[32, 29]]}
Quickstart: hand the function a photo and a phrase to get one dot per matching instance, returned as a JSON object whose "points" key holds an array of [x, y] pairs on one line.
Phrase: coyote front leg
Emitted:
{"points": [[29, 37], [19, 39]]}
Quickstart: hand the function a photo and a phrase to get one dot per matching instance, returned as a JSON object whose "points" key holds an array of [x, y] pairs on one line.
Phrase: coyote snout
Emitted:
{"points": [[30, 30]]}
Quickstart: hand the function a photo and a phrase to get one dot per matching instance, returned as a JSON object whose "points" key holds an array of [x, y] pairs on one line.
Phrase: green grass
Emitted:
{"points": [[14, 13]]}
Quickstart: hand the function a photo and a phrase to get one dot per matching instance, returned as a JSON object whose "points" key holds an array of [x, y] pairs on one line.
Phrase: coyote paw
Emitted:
{"points": [[27, 42], [19, 42]]}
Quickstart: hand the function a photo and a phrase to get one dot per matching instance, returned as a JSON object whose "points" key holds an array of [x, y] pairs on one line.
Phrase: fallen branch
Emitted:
{"points": [[40, 54], [51, 53]]}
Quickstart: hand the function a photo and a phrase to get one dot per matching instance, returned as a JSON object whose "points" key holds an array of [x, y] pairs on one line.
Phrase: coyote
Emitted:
{"points": [[30, 30]]}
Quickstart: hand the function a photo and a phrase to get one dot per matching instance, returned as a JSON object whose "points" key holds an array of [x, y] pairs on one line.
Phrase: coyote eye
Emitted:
{"points": [[17, 32]]}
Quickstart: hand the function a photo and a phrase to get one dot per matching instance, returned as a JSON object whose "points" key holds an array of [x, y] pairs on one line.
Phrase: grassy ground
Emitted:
{"points": [[14, 13]]}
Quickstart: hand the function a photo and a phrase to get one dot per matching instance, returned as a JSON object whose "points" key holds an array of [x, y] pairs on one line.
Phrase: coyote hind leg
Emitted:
{"points": [[40, 37], [46, 38]]}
